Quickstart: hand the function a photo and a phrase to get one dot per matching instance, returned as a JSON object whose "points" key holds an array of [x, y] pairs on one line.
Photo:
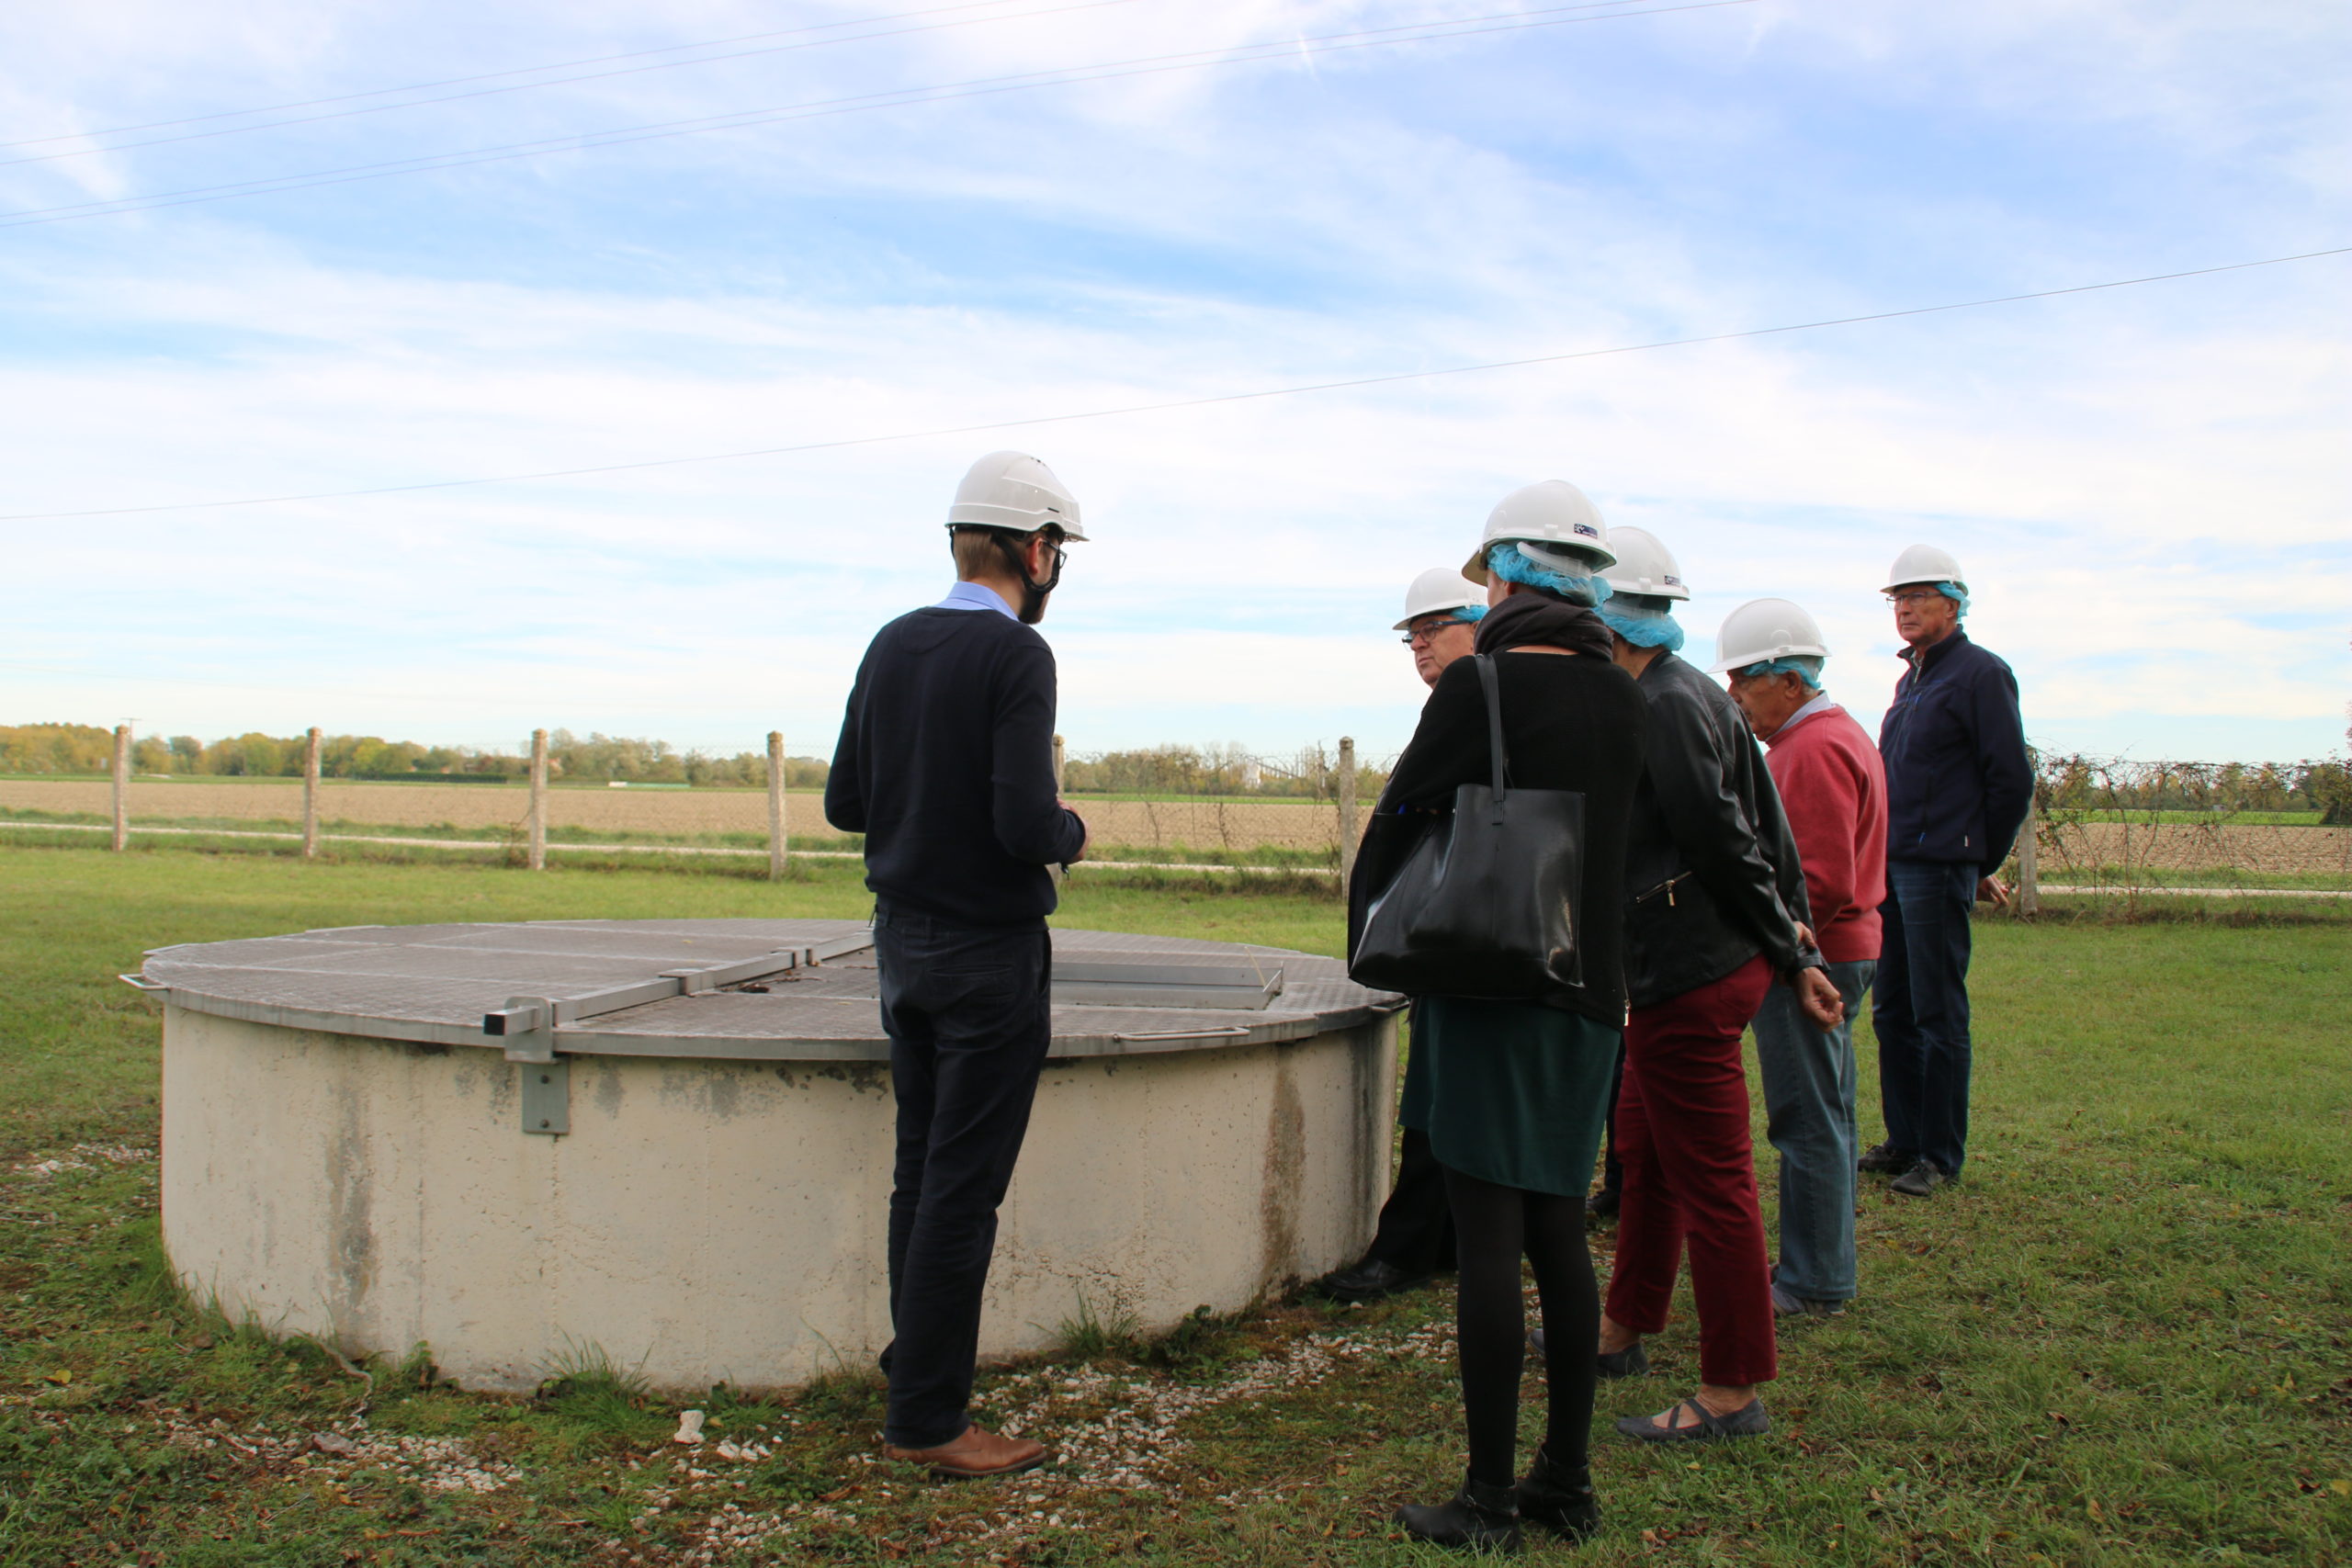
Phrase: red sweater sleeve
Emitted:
{"points": [[1836, 797]]}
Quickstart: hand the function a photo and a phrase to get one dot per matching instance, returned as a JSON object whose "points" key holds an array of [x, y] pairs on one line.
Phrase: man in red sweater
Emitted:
{"points": [[1834, 788]]}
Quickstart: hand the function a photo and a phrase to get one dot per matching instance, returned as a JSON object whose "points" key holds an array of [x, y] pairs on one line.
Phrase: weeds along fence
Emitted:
{"points": [[2119, 831], [2109, 834]]}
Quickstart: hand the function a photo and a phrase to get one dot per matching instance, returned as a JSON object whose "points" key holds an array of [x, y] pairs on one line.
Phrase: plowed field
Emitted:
{"points": [[1193, 825], [1189, 825]]}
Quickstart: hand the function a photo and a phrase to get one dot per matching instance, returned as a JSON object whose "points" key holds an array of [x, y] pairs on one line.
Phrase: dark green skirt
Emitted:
{"points": [[1514, 1093]]}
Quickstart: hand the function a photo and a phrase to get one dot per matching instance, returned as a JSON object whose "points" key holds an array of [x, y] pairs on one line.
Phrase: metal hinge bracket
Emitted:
{"points": [[526, 1026], [547, 1097]]}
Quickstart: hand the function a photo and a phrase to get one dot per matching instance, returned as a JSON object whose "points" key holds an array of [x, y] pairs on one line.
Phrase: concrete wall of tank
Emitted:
{"points": [[707, 1220]]}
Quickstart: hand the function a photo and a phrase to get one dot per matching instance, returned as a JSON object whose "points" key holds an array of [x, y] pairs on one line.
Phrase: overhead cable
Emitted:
{"points": [[1175, 404], [501, 75], [1148, 65], [564, 81]]}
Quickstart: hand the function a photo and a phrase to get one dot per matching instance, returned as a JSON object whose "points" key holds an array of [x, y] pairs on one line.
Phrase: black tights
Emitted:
{"points": [[1493, 1225]]}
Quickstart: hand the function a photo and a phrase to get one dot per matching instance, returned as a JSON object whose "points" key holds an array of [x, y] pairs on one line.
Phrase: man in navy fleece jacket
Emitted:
{"points": [[1958, 783], [945, 765]]}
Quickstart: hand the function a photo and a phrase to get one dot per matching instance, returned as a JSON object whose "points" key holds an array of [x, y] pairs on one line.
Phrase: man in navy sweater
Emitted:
{"points": [[1958, 783], [945, 765]]}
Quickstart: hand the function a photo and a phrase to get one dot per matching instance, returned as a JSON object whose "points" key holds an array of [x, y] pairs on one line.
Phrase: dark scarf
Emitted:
{"points": [[1525, 618]]}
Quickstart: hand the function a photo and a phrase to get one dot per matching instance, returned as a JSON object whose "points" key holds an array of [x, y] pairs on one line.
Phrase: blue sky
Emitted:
{"points": [[2149, 486]]}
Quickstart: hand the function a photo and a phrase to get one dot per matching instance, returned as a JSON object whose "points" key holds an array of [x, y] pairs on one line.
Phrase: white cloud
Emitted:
{"points": [[2114, 467]]}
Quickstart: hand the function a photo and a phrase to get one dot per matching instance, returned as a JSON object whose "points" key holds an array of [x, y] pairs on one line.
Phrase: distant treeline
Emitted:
{"points": [[86, 749], [2128, 784]]}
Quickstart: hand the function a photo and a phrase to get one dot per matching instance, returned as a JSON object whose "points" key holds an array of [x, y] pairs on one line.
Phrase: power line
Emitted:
{"points": [[1179, 403], [1371, 37], [500, 76], [565, 81]]}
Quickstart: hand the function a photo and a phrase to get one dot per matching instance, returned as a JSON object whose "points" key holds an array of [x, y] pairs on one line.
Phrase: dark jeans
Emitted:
{"points": [[967, 1017], [1416, 1230], [1921, 1009], [1809, 1074]]}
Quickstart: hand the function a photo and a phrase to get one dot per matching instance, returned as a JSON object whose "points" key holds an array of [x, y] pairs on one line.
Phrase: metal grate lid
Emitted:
{"points": [[676, 987]]}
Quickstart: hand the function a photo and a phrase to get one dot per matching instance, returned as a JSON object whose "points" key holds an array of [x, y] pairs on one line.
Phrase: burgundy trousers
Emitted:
{"points": [[1690, 1176]]}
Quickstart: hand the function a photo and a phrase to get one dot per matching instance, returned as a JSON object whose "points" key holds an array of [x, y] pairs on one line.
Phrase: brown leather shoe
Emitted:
{"points": [[978, 1453]]}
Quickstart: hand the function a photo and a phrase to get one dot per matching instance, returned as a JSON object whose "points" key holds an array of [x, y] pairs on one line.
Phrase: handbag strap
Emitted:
{"points": [[1495, 757]]}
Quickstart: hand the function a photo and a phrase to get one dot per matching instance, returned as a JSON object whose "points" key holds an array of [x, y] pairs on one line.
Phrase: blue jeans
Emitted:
{"points": [[1808, 1074], [967, 1017], [1921, 1014]]}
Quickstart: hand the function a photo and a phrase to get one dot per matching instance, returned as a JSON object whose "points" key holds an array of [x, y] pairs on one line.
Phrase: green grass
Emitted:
{"points": [[2122, 1340]]}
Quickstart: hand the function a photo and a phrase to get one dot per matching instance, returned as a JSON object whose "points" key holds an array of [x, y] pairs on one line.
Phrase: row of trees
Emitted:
{"points": [[86, 749], [1309, 773], [2115, 783]]}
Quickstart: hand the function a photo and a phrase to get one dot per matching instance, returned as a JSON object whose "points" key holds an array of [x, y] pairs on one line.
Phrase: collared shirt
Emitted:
{"points": [[1820, 701], [976, 596]]}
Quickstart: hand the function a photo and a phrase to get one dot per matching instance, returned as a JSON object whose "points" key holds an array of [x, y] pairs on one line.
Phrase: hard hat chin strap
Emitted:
{"points": [[1032, 593]]}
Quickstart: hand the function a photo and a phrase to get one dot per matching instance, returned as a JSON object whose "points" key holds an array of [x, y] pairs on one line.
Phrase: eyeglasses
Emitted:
{"points": [[1916, 596], [1426, 631]]}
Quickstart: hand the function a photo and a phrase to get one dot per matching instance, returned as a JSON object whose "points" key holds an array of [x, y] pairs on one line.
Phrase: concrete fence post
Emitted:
{"points": [[1347, 811], [775, 805], [538, 853], [311, 795], [122, 786], [2028, 902]]}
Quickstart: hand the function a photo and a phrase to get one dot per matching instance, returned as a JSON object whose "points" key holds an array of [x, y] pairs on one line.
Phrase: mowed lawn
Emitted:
{"points": [[2122, 1339]]}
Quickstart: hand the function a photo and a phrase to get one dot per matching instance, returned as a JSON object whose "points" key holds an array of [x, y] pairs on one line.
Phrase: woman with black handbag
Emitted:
{"points": [[1490, 887]]}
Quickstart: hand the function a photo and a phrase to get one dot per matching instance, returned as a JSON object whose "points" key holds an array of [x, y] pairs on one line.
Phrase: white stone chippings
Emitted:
{"points": [[437, 1464], [82, 1158], [1108, 1430]]}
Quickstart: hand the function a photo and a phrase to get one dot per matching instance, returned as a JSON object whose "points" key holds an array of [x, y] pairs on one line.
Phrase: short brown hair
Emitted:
{"points": [[975, 550]]}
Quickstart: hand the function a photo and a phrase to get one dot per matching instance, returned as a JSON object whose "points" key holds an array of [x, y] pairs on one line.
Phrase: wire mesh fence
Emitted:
{"points": [[2113, 831], [1224, 806], [2125, 829]]}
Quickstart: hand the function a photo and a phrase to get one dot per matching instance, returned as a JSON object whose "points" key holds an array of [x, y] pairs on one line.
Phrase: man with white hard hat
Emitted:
{"points": [[1441, 613], [1717, 916], [1958, 783], [1834, 790], [1414, 1237], [945, 765]]}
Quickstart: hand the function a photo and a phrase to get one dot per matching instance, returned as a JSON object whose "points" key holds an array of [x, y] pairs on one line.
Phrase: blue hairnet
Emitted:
{"points": [[1472, 613], [1956, 595], [1644, 620], [1506, 560], [1805, 666]]}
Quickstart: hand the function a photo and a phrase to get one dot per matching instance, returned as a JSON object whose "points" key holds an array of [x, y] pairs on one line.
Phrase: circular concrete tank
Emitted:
{"points": [[669, 1142]]}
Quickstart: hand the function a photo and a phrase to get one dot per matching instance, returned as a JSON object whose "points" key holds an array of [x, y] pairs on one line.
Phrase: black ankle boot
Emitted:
{"points": [[1480, 1518], [1559, 1497]]}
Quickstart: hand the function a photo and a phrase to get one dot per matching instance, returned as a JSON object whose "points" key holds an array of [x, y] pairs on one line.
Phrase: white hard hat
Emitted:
{"points": [[1925, 563], [1553, 523], [1766, 628], [1440, 588], [1016, 492], [1644, 566]]}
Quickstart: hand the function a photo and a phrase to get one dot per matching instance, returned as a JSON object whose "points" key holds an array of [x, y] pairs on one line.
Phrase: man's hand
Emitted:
{"points": [[1805, 935], [1993, 891], [1086, 834], [1819, 997]]}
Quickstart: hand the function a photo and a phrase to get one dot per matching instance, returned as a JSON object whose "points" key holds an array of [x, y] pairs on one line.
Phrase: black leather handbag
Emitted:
{"points": [[1485, 905]]}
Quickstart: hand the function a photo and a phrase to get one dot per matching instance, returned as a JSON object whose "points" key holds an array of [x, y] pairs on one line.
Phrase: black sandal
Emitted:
{"points": [[1749, 1421], [1631, 1362]]}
